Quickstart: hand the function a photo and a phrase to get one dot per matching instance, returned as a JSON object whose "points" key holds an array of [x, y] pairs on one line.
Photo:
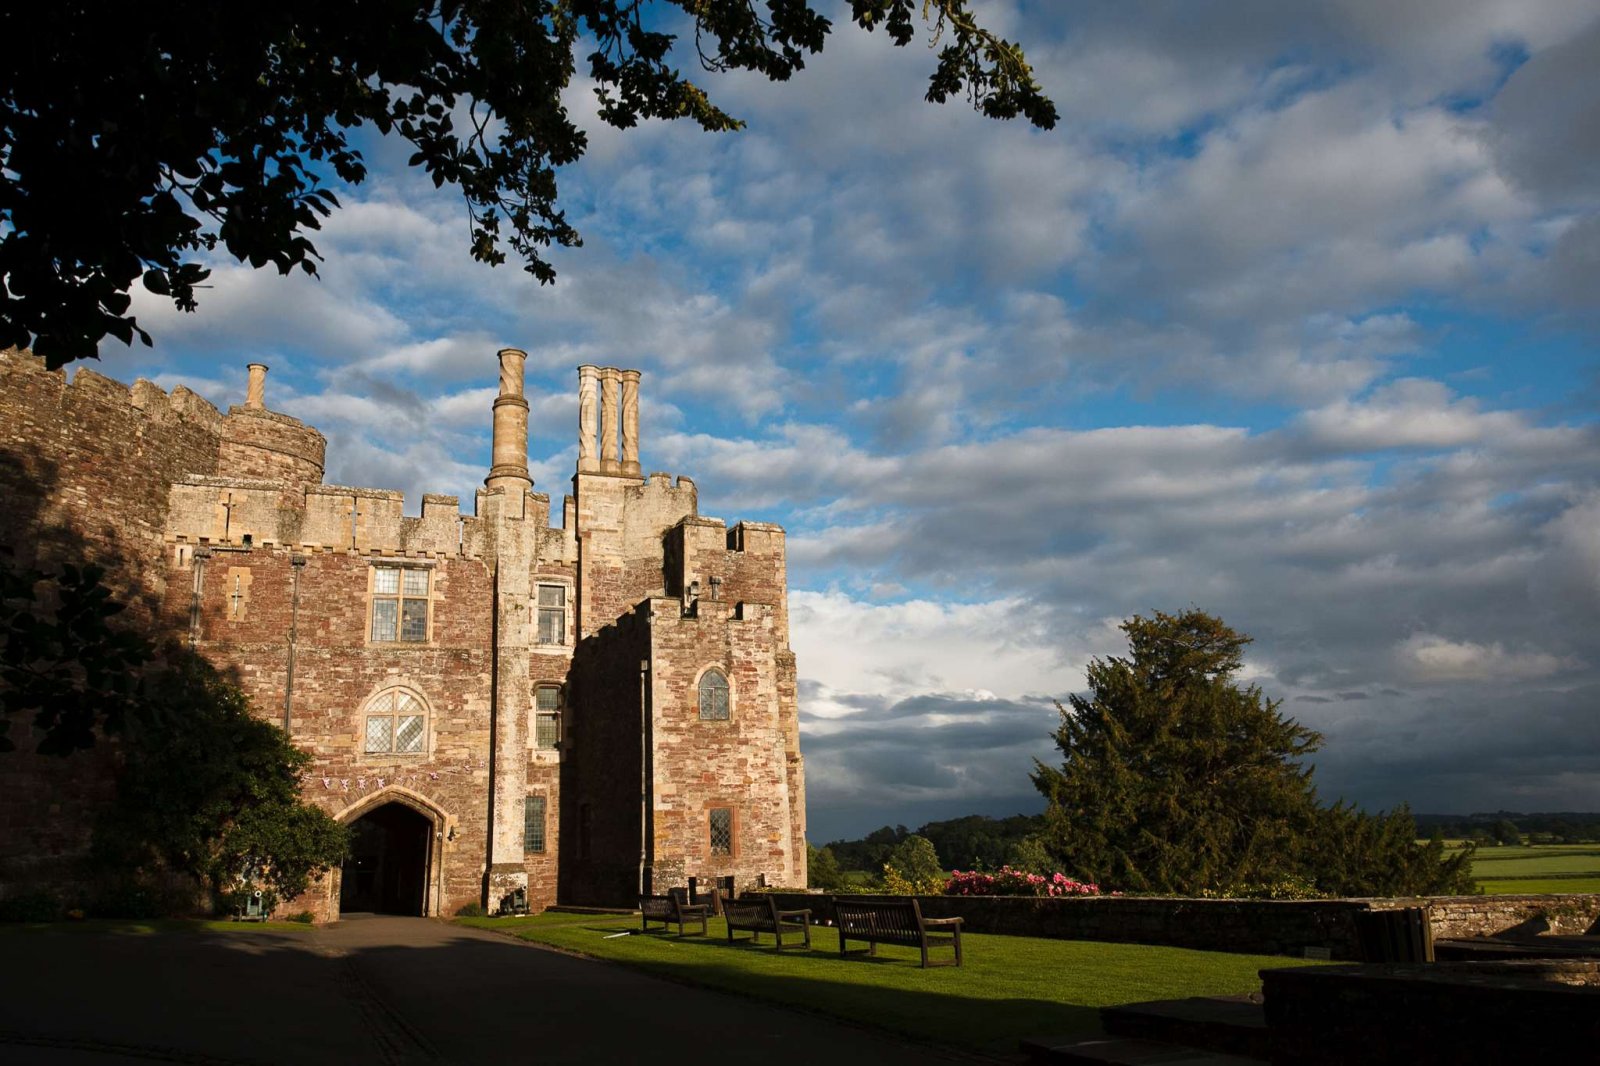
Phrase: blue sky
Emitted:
{"points": [[1292, 318]]}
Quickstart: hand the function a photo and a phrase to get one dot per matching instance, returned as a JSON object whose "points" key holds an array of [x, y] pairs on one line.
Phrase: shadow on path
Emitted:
{"points": [[381, 990]]}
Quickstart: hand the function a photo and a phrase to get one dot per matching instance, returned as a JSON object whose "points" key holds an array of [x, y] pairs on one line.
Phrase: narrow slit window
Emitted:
{"points": [[722, 830], [547, 717], [533, 808]]}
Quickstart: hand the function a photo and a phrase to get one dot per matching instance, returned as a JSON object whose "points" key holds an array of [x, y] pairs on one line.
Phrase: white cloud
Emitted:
{"points": [[1429, 657]]}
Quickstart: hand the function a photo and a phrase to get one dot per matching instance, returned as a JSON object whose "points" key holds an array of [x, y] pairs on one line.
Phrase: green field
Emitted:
{"points": [[1538, 868], [1009, 986]]}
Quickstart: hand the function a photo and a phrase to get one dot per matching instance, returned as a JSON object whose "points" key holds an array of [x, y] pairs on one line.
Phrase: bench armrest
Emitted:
{"points": [[795, 914], [941, 921], [694, 908]]}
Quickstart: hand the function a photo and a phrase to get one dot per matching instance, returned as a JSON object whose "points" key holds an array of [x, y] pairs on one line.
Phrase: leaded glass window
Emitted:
{"points": [[552, 614], [396, 724], [400, 604], [533, 824], [722, 830], [547, 717], [713, 696]]}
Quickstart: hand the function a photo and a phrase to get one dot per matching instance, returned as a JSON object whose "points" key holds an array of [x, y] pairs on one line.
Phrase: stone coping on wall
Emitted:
{"points": [[1302, 928]]}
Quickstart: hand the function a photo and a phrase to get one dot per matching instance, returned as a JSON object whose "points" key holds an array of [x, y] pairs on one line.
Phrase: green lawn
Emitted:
{"points": [[1538, 868], [1009, 987]]}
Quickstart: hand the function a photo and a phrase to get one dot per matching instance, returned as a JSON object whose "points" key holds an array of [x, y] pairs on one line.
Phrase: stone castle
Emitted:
{"points": [[493, 703]]}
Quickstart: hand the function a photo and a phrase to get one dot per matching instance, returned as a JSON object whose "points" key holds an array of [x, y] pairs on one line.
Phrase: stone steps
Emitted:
{"points": [[1202, 1031], [1233, 1025]]}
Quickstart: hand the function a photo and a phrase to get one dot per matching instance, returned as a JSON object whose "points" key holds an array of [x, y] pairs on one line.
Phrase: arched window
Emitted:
{"points": [[397, 724], [713, 696]]}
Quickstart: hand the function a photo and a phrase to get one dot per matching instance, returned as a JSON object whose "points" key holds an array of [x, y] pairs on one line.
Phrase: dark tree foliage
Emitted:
{"points": [[822, 870], [208, 789], [871, 851], [1505, 831], [1178, 779], [135, 137], [978, 842], [204, 788], [1360, 854], [62, 660]]}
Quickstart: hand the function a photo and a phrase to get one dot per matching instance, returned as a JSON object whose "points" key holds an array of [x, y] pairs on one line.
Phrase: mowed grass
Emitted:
{"points": [[1538, 868], [1007, 988]]}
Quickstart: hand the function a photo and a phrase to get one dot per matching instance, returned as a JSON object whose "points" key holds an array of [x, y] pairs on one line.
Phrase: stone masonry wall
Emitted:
{"points": [[337, 671], [622, 522], [600, 766], [65, 502], [738, 764], [1251, 927]]}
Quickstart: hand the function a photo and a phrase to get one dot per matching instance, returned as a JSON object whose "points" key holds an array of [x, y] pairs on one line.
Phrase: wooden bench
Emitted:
{"points": [[669, 909], [896, 922], [1401, 935], [757, 915]]}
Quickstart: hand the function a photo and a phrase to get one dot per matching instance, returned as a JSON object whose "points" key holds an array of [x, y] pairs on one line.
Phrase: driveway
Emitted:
{"points": [[390, 991]]}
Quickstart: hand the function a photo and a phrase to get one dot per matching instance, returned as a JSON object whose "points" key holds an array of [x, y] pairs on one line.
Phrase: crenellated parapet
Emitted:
{"points": [[708, 564]]}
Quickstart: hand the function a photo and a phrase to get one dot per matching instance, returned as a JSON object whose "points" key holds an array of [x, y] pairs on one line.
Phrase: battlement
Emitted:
{"points": [[89, 386]]}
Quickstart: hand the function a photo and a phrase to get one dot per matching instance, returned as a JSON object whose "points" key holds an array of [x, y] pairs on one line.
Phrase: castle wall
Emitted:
{"points": [[85, 466], [739, 764], [621, 524], [601, 783], [246, 604], [84, 470]]}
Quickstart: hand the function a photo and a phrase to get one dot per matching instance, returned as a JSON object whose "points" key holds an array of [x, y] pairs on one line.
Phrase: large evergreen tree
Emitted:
{"points": [[1176, 778]]}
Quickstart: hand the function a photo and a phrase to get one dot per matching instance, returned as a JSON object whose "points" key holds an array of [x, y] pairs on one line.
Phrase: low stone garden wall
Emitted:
{"points": [[1253, 927]]}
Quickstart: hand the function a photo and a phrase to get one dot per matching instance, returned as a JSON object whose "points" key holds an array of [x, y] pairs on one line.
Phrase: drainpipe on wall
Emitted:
{"points": [[298, 563], [200, 557], [644, 772]]}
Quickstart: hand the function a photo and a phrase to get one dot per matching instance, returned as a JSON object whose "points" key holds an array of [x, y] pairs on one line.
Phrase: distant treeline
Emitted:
{"points": [[1511, 827], [974, 842]]}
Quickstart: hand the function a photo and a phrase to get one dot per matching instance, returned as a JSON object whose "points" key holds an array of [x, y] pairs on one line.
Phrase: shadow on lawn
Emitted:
{"points": [[942, 1012]]}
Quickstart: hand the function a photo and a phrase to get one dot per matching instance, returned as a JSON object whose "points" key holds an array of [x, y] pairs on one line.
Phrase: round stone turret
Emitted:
{"points": [[258, 443]]}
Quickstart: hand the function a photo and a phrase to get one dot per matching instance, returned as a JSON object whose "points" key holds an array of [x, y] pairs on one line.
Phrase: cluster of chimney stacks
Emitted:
{"points": [[616, 395], [608, 420]]}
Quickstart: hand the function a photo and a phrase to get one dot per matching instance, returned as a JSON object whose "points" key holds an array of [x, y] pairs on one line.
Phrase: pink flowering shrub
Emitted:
{"points": [[1009, 882]]}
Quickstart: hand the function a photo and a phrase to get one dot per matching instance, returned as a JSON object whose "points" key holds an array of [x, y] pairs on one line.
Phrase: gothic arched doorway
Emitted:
{"points": [[387, 869]]}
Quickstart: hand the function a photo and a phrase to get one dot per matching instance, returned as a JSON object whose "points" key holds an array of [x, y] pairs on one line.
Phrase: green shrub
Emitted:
{"points": [[129, 899], [470, 910], [303, 917], [30, 907]]}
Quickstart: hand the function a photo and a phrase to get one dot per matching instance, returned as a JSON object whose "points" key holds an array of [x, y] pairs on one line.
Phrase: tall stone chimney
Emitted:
{"points": [[588, 396], [256, 394], [610, 379], [510, 453]]}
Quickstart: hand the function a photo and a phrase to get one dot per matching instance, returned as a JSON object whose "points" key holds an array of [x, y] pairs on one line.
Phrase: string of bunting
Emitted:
{"points": [[342, 784]]}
